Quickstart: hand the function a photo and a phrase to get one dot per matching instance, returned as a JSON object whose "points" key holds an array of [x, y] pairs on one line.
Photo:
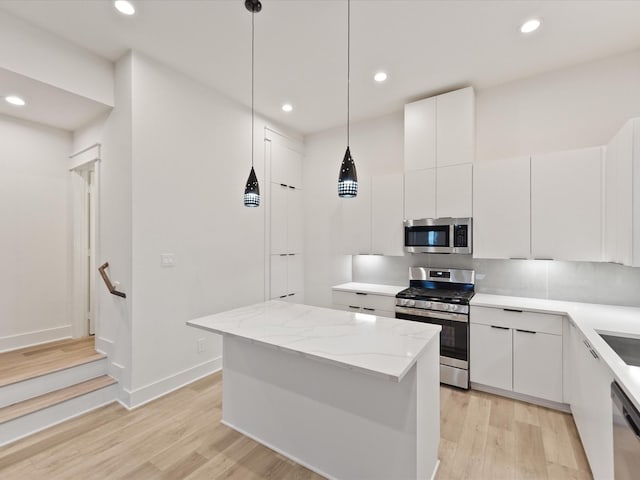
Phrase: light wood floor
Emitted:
{"points": [[179, 437], [34, 361]]}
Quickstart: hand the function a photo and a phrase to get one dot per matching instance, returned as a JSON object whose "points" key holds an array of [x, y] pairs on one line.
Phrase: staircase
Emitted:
{"points": [[46, 384]]}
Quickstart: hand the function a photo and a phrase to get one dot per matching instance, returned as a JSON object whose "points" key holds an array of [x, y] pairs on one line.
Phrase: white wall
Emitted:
{"points": [[377, 148], [575, 107], [34, 241], [54, 61]]}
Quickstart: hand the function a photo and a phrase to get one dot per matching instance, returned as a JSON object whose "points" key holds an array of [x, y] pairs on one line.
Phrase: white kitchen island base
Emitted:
{"points": [[340, 423]]}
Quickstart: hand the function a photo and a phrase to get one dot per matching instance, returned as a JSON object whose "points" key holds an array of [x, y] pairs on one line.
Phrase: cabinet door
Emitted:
{"points": [[501, 208], [455, 130], [386, 215], [286, 165], [454, 187], [490, 352], [624, 220], [591, 406], [537, 364], [420, 135], [420, 194], [279, 214], [279, 288], [566, 205], [295, 277], [356, 220], [295, 221]]}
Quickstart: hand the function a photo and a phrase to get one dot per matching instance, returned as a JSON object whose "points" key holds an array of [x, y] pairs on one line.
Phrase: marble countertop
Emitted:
{"points": [[590, 319], [380, 346], [372, 288]]}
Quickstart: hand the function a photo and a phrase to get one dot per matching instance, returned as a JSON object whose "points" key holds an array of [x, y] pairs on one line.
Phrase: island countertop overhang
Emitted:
{"points": [[380, 346]]}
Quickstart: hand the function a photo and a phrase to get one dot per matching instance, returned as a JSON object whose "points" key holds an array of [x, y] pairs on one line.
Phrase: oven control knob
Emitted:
{"points": [[411, 303], [402, 302], [445, 307]]}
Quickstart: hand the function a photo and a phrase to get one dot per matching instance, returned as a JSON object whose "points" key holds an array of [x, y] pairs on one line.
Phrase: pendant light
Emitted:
{"points": [[348, 177], [252, 190]]}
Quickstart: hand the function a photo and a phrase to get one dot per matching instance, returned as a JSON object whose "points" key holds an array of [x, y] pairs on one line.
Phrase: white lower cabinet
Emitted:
{"points": [[590, 386], [517, 351], [491, 351], [362, 302], [287, 281]]}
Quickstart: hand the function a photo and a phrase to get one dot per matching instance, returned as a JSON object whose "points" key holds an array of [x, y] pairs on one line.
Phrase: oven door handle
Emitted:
{"points": [[456, 317]]}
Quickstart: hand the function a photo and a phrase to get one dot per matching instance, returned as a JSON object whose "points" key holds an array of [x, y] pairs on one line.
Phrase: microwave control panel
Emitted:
{"points": [[460, 235]]}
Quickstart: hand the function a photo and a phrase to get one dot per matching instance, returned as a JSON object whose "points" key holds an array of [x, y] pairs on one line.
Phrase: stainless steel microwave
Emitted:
{"points": [[438, 235]]}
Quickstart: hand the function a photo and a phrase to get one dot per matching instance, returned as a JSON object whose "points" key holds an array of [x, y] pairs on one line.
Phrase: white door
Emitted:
{"points": [[91, 248]]}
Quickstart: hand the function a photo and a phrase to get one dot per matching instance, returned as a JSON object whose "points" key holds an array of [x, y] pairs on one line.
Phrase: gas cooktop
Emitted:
{"points": [[436, 295]]}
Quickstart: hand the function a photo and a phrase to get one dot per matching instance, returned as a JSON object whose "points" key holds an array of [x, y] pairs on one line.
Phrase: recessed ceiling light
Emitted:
{"points": [[380, 77], [124, 7], [287, 107], [14, 100], [530, 26]]}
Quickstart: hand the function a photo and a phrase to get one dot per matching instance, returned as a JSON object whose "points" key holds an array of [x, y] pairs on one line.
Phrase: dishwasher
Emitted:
{"points": [[626, 435]]}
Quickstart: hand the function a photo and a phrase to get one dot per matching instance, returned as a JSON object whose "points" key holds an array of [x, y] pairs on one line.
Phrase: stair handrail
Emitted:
{"points": [[107, 281]]}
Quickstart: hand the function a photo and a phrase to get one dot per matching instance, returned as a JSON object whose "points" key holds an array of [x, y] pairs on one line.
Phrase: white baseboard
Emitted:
{"points": [[563, 407], [138, 397], [104, 345], [28, 339]]}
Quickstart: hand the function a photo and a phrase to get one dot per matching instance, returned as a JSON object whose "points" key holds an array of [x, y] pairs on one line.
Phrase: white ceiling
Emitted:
{"points": [[426, 47]]}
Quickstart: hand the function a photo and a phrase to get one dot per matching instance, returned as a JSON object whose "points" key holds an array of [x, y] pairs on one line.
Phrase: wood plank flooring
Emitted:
{"points": [[31, 362], [179, 437]]}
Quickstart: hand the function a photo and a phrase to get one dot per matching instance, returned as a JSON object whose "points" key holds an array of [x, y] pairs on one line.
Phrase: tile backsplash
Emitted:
{"points": [[589, 282]]}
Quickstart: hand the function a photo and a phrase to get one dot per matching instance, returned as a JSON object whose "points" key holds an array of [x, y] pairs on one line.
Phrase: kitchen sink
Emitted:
{"points": [[627, 348]]}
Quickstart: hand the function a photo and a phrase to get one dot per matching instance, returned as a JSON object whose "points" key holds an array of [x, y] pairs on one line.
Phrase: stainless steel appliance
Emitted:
{"points": [[626, 435], [441, 297], [438, 235]]}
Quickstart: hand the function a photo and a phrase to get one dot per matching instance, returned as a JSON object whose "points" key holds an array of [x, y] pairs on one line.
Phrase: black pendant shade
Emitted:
{"points": [[252, 191], [348, 178]]}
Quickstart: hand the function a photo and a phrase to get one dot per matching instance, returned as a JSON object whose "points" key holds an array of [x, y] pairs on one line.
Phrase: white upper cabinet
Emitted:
{"points": [[455, 127], [454, 186], [420, 194], [356, 220], [439, 148], [622, 208], [295, 221], [420, 134], [286, 165], [501, 209], [386, 215], [566, 205], [279, 218]]}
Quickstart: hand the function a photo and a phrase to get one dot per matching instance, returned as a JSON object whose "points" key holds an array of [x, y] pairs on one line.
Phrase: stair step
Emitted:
{"points": [[32, 362], [35, 404]]}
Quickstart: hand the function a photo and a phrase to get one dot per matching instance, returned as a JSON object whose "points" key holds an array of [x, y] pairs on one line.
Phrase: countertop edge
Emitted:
{"points": [[371, 288]]}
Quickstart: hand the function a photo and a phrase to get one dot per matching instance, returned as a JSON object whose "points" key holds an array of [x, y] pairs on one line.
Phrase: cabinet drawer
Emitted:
{"points": [[517, 319], [366, 300], [367, 310]]}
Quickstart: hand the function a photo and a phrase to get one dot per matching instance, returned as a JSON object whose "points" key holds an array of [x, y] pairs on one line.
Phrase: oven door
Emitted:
{"points": [[427, 238], [454, 337]]}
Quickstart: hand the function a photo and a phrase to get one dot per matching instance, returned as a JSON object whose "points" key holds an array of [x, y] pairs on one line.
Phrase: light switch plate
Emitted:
{"points": [[167, 260]]}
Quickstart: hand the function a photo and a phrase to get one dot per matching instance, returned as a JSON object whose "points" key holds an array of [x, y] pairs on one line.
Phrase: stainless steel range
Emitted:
{"points": [[441, 297]]}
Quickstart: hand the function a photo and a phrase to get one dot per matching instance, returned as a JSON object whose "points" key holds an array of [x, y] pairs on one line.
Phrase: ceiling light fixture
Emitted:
{"points": [[380, 77], [124, 7], [252, 189], [530, 26], [348, 177], [287, 107], [15, 100]]}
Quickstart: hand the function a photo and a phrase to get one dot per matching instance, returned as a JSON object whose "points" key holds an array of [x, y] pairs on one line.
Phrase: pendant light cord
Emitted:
{"points": [[252, 68], [348, 63]]}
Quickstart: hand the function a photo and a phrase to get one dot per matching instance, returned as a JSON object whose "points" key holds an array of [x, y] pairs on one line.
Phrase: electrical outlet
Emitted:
{"points": [[167, 260], [202, 346]]}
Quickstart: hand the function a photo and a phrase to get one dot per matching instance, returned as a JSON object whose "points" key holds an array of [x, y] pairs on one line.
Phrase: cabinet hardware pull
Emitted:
{"points": [[283, 185], [586, 344], [291, 295], [283, 296], [525, 331], [542, 258], [292, 187], [351, 306], [499, 328], [360, 293], [369, 309], [517, 258], [283, 254], [595, 355], [515, 310], [291, 254]]}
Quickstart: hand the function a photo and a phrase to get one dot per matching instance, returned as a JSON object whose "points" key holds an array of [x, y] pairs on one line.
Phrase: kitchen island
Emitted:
{"points": [[348, 395]]}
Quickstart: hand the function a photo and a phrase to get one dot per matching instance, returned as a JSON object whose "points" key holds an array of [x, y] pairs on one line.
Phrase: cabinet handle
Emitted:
{"points": [[283, 254], [351, 306], [514, 310], [525, 331], [360, 293], [369, 309], [291, 295], [517, 258], [587, 344], [500, 328], [283, 185], [283, 296], [542, 258], [291, 254], [595, 355], [292, 187]]}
